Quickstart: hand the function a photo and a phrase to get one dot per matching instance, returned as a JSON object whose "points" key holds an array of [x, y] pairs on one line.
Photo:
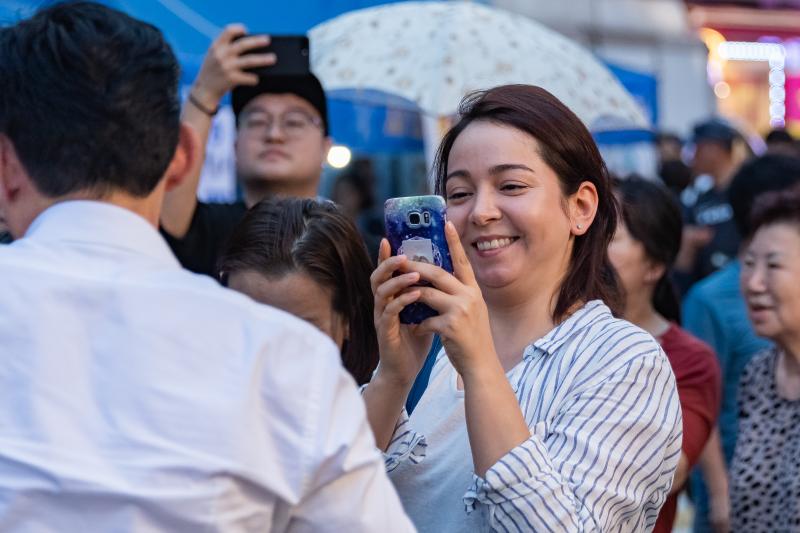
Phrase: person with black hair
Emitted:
{"points": [[282, 140], [645, 244], [134, 395], [710, 239], [307, 258], [765, 471], [714, 311]]}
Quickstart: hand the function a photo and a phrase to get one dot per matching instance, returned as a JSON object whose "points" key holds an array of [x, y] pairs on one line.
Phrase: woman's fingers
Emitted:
{"points": [[394, 307], [391, 288], [461, 267]]}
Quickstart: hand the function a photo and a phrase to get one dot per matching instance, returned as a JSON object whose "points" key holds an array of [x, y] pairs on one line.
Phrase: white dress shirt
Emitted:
{"points": [[600, 399], [136, 396]]}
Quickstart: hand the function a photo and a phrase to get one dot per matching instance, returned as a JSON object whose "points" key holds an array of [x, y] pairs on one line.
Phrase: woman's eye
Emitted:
{"points": [[512, 187], [458, 195]]}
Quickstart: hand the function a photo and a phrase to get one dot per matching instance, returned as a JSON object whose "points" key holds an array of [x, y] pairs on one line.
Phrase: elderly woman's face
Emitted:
{"points": [[771, 281]]}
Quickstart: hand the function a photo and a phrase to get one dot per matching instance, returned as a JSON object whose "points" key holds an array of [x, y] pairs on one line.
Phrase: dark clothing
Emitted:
{"points": [[5, 237], [765, 473], [711, 209], [697, 375], [208, 234]]}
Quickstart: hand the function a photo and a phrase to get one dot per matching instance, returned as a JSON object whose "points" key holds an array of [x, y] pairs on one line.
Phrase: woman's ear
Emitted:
{"points": [[583, 208], [654, 271]]}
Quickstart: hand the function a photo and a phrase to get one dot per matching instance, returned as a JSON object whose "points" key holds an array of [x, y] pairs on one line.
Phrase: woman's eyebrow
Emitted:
{"points": [[497, 169]]}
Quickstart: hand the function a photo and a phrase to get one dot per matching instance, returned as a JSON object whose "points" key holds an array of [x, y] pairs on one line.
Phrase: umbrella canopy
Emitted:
{"points": [[433, 53]]}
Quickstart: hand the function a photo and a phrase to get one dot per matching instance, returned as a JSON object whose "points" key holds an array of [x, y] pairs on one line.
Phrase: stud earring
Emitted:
{"points": [[579, 226]]}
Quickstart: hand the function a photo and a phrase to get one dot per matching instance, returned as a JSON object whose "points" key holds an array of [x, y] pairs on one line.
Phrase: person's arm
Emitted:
{"points": [[223, 68], [605, 463], [715, 474]]}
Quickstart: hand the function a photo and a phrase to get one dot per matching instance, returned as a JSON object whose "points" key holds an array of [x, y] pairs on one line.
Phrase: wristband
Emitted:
{"points": [[201, 107]]}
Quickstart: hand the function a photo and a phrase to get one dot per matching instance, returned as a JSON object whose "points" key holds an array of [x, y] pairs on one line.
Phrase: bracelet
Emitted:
{"points": [[201, 107]]}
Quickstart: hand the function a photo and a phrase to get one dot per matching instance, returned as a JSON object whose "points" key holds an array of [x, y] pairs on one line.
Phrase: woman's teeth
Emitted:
{"points": [[493, 244]]}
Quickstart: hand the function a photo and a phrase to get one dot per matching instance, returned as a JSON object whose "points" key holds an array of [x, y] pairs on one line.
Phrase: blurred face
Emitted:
{"points": [[770, 274], [280, 139], [296, 293], [507, 206], [708, 156], [636, 270]]}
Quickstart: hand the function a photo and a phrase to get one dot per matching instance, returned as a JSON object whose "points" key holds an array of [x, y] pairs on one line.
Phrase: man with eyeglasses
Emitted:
{"points": [[281, 144]]}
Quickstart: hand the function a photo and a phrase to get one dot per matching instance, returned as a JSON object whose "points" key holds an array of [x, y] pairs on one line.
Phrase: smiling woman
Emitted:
{"points": [[539, 387], [765, 472]]}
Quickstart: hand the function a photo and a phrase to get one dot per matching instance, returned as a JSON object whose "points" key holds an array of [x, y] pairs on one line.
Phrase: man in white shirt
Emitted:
{"points": [[136, 396]]}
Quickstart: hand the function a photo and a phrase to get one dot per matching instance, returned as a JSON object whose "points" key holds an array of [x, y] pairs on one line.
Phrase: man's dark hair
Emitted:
{"points": [[569, 149], [764, 174], [88, 98]]}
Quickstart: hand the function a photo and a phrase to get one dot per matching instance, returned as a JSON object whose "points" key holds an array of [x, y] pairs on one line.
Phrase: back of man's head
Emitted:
{"points": [[88, 98], [764, 174]]}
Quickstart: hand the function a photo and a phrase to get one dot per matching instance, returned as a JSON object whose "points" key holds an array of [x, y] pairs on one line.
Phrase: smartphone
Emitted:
{"points": [[292, 56], [415, 228]]}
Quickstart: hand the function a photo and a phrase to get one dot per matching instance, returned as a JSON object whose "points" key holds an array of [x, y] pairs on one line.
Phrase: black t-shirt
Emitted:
{"points": [[208, 234], [713, 210]]}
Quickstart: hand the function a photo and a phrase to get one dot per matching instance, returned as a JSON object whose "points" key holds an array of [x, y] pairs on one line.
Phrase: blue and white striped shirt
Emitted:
{"points": [[600, 399]]}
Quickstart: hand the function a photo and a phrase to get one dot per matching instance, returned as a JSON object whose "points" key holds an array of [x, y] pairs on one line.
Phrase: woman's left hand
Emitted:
{"points": [[463, 320]]}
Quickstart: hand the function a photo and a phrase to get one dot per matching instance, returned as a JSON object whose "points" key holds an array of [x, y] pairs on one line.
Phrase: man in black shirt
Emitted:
{"points": [[710, 236], [281, 144]]}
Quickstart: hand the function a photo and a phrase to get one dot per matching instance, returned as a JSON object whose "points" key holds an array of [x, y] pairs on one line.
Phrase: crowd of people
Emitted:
{"points": [[167, 364]]}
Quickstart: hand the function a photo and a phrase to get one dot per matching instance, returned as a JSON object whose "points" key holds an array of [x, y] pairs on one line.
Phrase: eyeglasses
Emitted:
{"points": [[293, 124]]}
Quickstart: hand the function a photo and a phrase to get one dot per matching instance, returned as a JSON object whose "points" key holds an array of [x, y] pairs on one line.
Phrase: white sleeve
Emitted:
{"points": [[347, 489]]}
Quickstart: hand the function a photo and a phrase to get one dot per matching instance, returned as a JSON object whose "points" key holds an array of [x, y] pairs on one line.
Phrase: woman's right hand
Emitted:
{"points": [[402, 350], [224, 66]]}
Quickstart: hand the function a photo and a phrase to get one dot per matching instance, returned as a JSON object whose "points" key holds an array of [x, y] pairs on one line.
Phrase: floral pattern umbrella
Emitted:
{"points": [[433, 53]]}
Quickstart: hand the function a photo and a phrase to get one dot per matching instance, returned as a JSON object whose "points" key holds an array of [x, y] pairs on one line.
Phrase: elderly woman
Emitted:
{"points": [[765, 473]]}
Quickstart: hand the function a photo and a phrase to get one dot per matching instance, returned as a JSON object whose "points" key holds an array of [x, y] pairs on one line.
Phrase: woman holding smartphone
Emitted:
{"points": [[543, 412]]}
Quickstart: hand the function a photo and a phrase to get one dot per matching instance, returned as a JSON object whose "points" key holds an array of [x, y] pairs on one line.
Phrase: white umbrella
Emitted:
{"points": [[433, 53]]}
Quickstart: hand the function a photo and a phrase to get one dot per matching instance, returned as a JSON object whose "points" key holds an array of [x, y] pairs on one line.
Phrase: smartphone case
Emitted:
{"points": [[415, 227]]}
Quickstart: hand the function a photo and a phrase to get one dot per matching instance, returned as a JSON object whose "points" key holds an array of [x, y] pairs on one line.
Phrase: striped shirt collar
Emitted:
{"points": [[579, 320]]}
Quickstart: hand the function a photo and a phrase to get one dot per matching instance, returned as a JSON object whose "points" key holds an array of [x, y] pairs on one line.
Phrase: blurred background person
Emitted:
{"points": [[780, 141], [645, 244], [765, 472], [281, 144], [675, 174], [714, 310], [710, 238], [354, 192], [307, 258]]}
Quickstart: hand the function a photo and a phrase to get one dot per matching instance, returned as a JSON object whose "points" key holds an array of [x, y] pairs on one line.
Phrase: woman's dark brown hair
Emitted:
{"points": [[569, 149], [653, 218], [280, 236]]}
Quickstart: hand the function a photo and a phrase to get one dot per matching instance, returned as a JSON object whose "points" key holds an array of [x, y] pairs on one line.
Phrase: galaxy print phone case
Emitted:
{"points": [[415, 228]]}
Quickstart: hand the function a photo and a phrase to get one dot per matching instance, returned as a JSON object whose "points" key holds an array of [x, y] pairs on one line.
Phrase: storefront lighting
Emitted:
{"points": [[752, 51], [772, 53]]}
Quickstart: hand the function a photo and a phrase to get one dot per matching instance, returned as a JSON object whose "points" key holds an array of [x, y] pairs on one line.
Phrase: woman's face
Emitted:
{"points": [[296, 293], [508, 208], [770, 274], [628, 257]]}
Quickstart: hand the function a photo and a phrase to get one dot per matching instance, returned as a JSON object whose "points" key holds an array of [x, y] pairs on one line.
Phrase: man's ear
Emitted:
{"points": [[12, 176], [184, 159], [327, 143]]}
